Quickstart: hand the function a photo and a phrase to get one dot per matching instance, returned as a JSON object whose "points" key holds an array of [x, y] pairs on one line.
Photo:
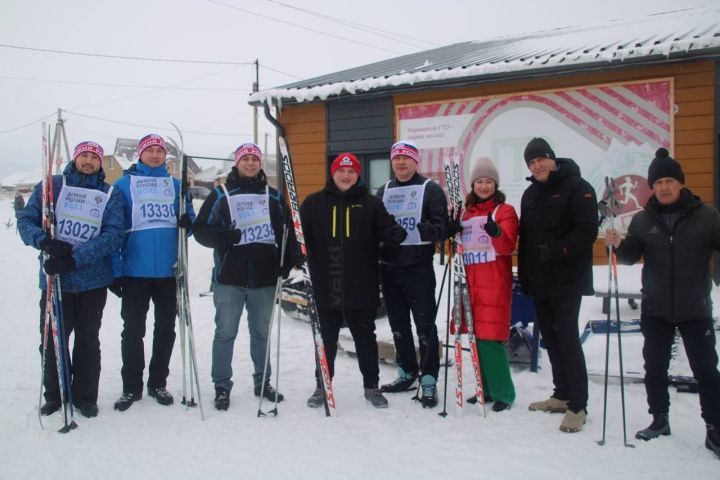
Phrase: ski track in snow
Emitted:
{"points": [[404, 441]]}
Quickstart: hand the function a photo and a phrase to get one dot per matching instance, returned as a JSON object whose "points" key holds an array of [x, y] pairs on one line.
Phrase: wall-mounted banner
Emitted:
{"points": [[609, 130]]}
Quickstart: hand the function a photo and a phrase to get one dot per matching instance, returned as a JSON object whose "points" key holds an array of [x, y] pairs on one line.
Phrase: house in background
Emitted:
{"points": [[125, 154], [605, 95]]}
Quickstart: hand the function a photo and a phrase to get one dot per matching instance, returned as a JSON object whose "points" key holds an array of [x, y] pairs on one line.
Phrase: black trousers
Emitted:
{"points": [[699, 339], [362, 329], [137, 293], [412, 290], [81, 315], [558, 322]]}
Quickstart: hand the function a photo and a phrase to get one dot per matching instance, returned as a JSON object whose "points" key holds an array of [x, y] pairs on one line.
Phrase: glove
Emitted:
{"points": [[454, 226], [428, 232], [117, 286], [56, 248], [492, 228], [544, 252], [396, 234], [57, 265], [230, 237], [185, 222]]}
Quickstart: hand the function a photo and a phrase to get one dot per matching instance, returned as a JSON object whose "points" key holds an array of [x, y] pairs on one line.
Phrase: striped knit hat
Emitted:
{"points": [[88, 146]]}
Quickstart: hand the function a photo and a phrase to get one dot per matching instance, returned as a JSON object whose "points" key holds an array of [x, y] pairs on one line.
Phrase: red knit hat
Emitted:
{"points": [[88, 146], [345, 160], [247, 149], [407, 148], [149, 141]]}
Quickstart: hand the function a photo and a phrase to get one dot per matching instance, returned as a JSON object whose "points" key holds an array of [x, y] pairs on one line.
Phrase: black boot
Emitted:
{"points": [[127, 399], [659, 426], [50, 407], [161, 394], [222, 398], [87, 409], [712, 440], [268, 392]]}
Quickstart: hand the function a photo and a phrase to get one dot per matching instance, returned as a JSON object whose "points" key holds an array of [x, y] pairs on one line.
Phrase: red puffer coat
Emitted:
{"points": [[490, 284]]}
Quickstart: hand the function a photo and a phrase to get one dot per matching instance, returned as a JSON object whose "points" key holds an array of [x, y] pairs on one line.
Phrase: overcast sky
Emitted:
{"points": [[292, 39]]}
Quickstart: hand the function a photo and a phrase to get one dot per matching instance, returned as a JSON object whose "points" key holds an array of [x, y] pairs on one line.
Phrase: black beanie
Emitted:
{"points": [[538, 147], [663, 165]]}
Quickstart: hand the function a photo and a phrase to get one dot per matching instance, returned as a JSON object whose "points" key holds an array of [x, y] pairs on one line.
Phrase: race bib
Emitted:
{"points": [[477, 244], [79, 213], [251, 213], [405, 204], [153, 202]]}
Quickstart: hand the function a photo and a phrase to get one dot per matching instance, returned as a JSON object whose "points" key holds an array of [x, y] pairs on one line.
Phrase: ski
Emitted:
{"points": [[320, 357], [187, 339], [462, 305]]}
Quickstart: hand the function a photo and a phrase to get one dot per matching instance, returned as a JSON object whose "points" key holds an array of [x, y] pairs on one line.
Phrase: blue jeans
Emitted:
{"points": [[229, 303]]}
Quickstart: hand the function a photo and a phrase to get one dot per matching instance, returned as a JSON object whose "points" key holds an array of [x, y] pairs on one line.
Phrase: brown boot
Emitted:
{"points": [[573, 422], [551, 405]]}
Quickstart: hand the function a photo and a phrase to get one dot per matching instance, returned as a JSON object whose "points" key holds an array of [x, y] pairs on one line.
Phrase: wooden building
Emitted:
{"points": [[605, 95]]}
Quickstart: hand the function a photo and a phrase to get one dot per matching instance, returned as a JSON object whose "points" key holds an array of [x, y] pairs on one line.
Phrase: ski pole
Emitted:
{"points": [[608, 322], [622, 374], [447, 338]]}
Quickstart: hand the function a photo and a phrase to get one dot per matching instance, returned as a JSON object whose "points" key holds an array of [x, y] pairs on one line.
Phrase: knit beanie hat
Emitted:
{"points": [[536, 148], [663, 165], [345, 160], [247, 149], [88, 146], [484, 168], [404, 147], [150, 141]]}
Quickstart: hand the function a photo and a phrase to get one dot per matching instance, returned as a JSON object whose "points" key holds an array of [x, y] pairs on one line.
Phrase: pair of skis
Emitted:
{"points": [[461, 297], [53, 294], [321, 361], [187, 338]]}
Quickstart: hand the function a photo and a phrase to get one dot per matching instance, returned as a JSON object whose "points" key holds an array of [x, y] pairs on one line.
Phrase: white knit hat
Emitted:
{"points": [[484, 168]]}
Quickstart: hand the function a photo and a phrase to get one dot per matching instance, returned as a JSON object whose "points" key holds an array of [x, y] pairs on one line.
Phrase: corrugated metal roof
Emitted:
{"points": [[668, 36]]}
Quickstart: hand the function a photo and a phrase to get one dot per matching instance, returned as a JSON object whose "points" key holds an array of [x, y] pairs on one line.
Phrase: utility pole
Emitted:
{"points": [[256, 88]]}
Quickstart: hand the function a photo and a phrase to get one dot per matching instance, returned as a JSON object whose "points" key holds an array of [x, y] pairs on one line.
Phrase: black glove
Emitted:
{"points": [[544, 252], [428, 232], [56, 248], [396, 234], [57, 265], [117, 286], [492, 228], [231, 236], [455, 225], [185, 222]]}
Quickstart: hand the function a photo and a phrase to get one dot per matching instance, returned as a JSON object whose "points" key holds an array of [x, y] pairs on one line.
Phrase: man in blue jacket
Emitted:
{"points": [[88, 229], [148, 256]]}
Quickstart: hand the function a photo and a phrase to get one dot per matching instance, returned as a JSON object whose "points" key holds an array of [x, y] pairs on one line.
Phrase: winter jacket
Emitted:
{"points": [[558, 225], [150, 253], [343, 231], [434, 210], [251, 265], [93, 259], [676, 274], [490, 284]]}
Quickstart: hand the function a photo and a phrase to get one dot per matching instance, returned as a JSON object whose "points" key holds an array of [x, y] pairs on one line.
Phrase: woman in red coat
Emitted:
{"points": [[490, 228]]}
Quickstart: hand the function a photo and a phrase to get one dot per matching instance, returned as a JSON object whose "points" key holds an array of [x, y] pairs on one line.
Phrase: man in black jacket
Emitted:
{"points": [[343, 226], [407, 272], [558, 225], [244, 221], [675, 235]]}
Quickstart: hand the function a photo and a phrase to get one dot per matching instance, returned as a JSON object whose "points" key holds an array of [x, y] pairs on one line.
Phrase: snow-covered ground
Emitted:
{"points": [[404, 441]]}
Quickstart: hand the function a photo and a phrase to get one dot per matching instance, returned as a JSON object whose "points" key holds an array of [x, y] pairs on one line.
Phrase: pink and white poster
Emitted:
{"points": [[608, 130]]}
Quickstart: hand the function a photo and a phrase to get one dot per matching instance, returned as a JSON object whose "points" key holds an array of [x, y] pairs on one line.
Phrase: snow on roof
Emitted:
{"points": [[667, 36]]}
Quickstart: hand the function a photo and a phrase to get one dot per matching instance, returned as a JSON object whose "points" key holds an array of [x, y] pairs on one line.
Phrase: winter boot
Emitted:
{"points": [[125, 400], [573, 421], [222, 398], [500, 406], [403, 383], [50, 407], [268, 392], [317, 399], [473, 400], [161, 394], [87, 409], [659, 426], [551, 405], [375, 396], [712, 440], [429, 391]]}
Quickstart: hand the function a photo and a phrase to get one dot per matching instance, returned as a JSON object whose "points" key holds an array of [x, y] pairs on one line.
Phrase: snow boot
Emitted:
{"points": [[268, 392], [473, 400], [87, 409], [50, 407], [712, 440], [500, 406], [573, 421], [317, 399], [125, 400], [551, 405], [374, 395], [403, 383], [161, 394], [222, 398], [659, 426], [429, 391]]}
